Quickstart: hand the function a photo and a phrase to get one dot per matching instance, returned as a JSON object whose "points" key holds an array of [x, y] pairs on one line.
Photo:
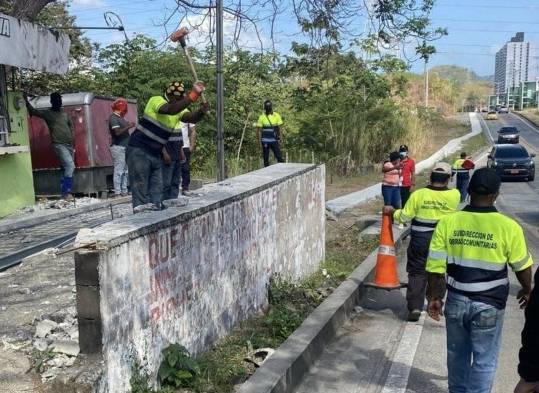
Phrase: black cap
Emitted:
{"points": [[485, 181], [403, 148]]}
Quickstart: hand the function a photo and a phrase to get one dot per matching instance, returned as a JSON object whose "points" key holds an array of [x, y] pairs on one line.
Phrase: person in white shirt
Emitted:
{"points": [[189, 134]]}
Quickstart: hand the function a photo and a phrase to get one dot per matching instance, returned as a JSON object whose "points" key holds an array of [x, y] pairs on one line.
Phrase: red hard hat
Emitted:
{"points": [[120, 105]]}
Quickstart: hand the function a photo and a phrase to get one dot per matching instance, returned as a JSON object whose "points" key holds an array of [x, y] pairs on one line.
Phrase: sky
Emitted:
{"points": [[477, 28]]}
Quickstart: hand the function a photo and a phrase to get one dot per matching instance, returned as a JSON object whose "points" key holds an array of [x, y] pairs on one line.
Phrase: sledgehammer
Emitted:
{"points": [[179, 36]]}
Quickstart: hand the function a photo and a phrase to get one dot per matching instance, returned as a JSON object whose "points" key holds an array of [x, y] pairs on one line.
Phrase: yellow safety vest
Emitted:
{"points": [[426, 207], [473, 247]]}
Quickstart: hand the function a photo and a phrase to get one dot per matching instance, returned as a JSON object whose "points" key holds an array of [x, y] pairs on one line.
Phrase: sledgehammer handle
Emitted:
{"points": [[191, 64]]}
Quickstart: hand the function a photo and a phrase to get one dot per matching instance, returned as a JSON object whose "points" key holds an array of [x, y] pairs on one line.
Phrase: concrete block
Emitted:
{"points": [[88, 299], [67, 347], [87, 268], [90, 336]]}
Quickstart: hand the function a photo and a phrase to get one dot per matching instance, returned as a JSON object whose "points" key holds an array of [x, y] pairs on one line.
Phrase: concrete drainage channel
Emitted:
{"points": [[285, 369]]}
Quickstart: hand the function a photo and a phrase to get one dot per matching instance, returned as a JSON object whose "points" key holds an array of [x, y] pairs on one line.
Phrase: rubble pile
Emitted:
{"points": [[56, 342]]}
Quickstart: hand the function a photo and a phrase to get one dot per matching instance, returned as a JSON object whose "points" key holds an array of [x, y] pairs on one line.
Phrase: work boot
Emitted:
{"points": [[414, 315]]}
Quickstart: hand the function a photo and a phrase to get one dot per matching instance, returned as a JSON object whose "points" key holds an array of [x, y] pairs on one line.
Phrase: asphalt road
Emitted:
{"points": [[377, 352]]}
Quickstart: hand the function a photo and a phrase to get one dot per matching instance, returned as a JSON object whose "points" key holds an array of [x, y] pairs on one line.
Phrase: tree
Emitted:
{"points": [[24, 9]]}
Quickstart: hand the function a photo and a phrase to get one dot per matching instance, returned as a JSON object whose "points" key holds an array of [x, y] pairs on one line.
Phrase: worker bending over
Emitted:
{"points": [[146, 151], [473, 247], [424, 209]]}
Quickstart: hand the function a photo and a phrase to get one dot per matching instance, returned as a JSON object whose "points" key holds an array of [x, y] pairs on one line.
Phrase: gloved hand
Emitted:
{"points": [[196, 91]]}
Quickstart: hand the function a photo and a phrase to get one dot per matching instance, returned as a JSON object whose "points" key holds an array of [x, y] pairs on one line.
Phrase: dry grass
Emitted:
{"points": [[441, 132]]}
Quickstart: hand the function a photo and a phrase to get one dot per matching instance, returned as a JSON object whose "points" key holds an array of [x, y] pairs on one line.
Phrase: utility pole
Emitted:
{"points": [[426, 85], [220, 93]]}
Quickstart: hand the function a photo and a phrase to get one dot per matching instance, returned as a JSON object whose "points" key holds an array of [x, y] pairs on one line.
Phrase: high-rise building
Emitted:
{"points": [[516, 62]]}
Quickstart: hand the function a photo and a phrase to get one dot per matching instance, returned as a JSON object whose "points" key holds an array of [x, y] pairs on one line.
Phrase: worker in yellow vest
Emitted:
{"points": [[147, 149], [424, 209], [470, 253], [269, 127], [461, 168]]}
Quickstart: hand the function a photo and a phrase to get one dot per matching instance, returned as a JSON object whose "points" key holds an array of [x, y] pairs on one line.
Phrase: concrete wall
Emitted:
{"points": [[188, 275], [17, 188]]}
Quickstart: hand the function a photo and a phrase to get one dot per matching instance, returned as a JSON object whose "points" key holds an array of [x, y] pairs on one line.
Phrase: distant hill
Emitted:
{"points": [[457, 74]]}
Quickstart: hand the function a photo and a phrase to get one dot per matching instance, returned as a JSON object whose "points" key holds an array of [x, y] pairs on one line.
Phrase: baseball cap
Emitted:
{"points": [[485, 181], [442, 167], [403, 148]]}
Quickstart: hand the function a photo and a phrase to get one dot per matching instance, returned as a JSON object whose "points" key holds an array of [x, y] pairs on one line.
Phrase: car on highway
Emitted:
{"points": [[512, 161], [508, 135], [503, 109], [492, 115]]}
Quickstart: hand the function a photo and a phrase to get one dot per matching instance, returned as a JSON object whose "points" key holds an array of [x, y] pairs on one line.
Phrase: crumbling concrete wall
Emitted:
{"points": [[188, 275]]}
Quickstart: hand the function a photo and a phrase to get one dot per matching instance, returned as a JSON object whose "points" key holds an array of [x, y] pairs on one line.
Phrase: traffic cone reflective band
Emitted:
{"points": [[386, 262]]}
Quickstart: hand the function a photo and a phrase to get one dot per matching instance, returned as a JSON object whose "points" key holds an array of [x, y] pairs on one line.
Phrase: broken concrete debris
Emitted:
{"points": [[43, 328], [56, 339]]}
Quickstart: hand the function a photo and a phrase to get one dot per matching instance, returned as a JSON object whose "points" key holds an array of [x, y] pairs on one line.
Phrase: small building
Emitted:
{"points": [[29, 46]]}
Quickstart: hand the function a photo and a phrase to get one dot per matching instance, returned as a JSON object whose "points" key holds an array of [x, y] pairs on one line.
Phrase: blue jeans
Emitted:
{"points": [[392, 196], [145, 178], [120, 169], [67, 166], [171, 180], [473, 342], [462, 186]]}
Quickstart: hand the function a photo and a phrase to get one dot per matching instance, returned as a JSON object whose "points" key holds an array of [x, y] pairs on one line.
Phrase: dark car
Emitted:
{"points": [[512, 161], [508, 135]]}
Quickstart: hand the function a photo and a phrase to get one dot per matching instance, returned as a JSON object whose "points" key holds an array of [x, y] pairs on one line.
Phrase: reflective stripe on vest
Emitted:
{"points": [[175, 139], [476, 286], [153, 130], [423, 225]]}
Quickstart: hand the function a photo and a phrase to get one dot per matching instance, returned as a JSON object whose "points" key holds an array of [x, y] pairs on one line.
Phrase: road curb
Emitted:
{"points": [[533, 123], [284, 370], [13, 225]]}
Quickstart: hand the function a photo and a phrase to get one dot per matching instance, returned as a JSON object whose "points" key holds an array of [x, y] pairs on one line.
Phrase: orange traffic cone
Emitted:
{"points": [[386, 262]]}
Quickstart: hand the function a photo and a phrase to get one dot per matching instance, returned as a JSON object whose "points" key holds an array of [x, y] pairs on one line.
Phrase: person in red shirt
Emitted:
{"points": [[407, 174]]}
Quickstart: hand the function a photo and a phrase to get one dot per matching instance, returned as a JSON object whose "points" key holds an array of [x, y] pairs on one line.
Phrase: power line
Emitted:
{"points": [[493, 31], [464, 6], [485, 21]]}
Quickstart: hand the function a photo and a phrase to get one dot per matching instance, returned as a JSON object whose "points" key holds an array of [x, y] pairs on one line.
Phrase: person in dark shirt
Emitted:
{"points": [[119, 132], [528, 367], [62, 138]]}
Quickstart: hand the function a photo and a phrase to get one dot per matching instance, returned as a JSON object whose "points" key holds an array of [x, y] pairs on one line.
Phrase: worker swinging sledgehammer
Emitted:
{"points": [[147, 152]]}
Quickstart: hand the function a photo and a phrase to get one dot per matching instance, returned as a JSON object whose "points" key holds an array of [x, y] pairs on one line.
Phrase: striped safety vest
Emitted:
{"points": [[473, 247], [458, 168], [426, 207], [155, 129]]}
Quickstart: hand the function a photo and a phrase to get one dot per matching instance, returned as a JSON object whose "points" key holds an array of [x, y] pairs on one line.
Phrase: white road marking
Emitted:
{"points": [[399, 373], [528, 123]]}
